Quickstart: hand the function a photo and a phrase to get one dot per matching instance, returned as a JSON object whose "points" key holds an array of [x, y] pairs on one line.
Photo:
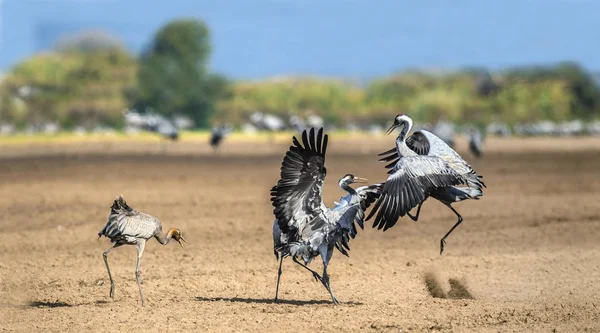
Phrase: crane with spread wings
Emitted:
{"points": [[422, 165], [304, 227]]}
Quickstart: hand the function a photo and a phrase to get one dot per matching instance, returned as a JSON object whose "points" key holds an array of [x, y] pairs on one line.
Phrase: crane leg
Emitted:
{"points": [[325, 279], [443, 240], [278, 278], [140, 251], [416, 217], [112, 283], [315, 274]]}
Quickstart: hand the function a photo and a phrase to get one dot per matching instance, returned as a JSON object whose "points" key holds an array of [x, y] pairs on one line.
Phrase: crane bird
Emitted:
{"points": [[444, 130], [304, 227], [163, 127], [475, 141], [218, 134], [127, 226], [422, 165]]}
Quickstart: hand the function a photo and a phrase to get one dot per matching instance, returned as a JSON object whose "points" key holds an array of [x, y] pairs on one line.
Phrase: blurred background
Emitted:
{"points": [[125, 66], [136, 97]]}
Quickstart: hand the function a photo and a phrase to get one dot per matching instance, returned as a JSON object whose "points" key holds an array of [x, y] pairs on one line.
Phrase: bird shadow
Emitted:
{"points": [[60, 304], [57, 304], [268, 301]]}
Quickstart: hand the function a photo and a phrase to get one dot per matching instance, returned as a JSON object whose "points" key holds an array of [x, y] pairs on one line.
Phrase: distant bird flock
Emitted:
{"points": [[421, 165], [169, 127]]}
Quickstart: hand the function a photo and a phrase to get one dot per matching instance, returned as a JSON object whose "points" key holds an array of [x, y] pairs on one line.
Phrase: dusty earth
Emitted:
{"points": [[525, 259]]}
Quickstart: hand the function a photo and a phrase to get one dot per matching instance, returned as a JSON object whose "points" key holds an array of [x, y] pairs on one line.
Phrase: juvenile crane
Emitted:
{"points": [[304, 227], [127, 226], [422, 165]]}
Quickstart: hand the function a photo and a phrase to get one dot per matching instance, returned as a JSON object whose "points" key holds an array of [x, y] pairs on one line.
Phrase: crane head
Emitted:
{"points": [[176, 234], [351, 179], [400, 119]]}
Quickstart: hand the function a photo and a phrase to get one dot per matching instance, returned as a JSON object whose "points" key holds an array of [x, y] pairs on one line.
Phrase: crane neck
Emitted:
{"points": [[401, 147], [164, 239], [347, 188]]}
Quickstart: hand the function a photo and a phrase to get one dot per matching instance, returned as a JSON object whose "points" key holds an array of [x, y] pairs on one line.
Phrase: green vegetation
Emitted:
{"points": [[71, 88], [173, 76], [557, 93], [90, 79]]}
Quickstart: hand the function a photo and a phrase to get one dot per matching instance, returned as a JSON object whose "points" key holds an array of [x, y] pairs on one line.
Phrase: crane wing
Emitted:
{"points": [[124, 221], [354, 213], [440, 149], [426, 143], [407, 186], [131, 224], [417, 142], [390, 156], [297, 197], [368, 195]]}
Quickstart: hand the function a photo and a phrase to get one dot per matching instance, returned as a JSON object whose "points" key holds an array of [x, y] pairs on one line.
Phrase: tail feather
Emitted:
{"points": [[474, 181], [119, 204], [468, 193]]}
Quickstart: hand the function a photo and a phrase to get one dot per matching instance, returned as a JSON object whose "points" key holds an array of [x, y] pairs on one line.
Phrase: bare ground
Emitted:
{"points": [[525, 259]]}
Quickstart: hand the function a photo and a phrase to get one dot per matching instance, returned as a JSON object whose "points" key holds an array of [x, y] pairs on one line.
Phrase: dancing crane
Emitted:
{"points": [[304, 227], [127, 226], [422, 165]]}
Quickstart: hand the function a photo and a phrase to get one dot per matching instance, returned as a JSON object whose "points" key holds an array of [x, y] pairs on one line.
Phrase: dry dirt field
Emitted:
{"points": [[526, 258]]}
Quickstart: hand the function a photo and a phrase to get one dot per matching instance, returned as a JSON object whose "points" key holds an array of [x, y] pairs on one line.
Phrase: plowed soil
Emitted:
{"points": [[526, 258]]}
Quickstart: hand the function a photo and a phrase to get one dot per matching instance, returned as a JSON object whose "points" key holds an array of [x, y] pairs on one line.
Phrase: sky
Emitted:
{"points": [[255, 39]]}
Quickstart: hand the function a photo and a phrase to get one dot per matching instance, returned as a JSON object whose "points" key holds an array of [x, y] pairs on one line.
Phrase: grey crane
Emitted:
{"points": [[304, 227], [218, 134], [422, 165], [475, 141], [445, 131], [127, 226], [162, 126]]}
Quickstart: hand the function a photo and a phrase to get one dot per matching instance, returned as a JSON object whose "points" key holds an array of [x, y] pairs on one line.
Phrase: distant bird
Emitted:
{"points": [[445, 131], [217, 136], [422, 165], [475, 141], [268, 122], [163, 127], [168, 131], [304, 227], [127, 226]]}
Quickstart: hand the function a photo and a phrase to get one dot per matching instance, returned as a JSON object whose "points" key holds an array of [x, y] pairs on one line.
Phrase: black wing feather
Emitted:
{"points": [[418, 143], [297, 197], [408, 185]]}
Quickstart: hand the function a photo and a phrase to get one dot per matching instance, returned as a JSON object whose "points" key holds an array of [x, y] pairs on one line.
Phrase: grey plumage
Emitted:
{"points": [[475, 142], [218, 134], [304, 227], [445, 131], [422, 165], [127, 226]]}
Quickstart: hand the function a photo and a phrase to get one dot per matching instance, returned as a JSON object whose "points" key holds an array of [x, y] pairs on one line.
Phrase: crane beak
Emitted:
{"points": [[360, 180], [391, 129], [181, 240]]}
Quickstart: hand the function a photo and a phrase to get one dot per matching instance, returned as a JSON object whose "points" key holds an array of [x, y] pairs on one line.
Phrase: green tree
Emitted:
{"points": [[173, 75]]}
